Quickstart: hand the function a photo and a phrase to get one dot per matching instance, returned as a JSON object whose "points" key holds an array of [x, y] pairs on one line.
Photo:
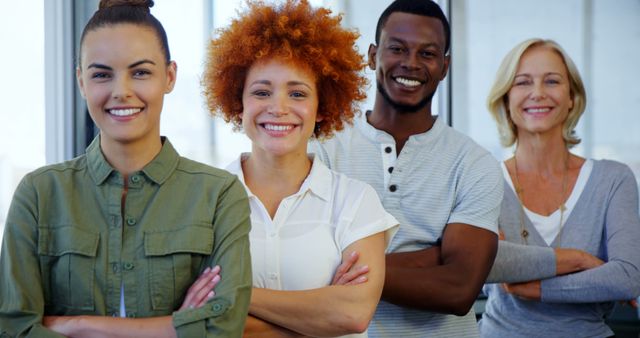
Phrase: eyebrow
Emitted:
{"points": [[289, 83], [426, 45], [545, 74], [133, 65]]}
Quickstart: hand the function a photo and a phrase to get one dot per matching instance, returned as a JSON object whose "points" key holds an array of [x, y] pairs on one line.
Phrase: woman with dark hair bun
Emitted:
{"points": [[112, 243]]}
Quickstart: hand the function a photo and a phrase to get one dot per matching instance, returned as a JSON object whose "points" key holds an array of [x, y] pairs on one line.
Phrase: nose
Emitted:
{"points": [[278, 105], [410, 61], [537, 92], [121, 88]]}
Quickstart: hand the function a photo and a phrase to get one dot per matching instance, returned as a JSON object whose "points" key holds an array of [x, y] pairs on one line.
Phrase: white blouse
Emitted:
{"points": [[301, 247]]}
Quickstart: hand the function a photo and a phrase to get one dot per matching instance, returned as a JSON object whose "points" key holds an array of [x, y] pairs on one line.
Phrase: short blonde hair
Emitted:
{"points": [[497, 102]]}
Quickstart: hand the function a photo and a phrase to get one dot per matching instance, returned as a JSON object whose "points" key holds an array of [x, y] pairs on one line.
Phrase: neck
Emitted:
{"points": [[544, 154], [282, 175], [400, 124], [130, 157]]}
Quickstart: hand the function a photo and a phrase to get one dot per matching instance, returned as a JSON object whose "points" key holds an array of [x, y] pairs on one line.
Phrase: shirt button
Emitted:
{"points": [[217, 307], [131, 221], [135, 179], [393, 188], [387, 150], [390, 170], [128, 266], [273, 275]]}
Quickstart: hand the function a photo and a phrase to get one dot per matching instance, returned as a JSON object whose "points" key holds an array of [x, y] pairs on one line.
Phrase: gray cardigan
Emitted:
{"points": [[605, 223]]}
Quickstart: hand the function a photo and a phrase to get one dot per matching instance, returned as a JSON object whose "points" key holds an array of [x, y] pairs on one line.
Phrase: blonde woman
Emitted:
{"points": [[570, 224]]}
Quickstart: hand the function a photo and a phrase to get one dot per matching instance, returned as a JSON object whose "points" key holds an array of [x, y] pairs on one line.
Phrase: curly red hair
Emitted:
{"points": [[307, 37]]}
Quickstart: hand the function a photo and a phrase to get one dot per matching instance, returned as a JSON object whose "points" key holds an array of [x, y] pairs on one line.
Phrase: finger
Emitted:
{"points": [[345, 266], [359, 280], [199, 284], [203, 294], [353, 275]]}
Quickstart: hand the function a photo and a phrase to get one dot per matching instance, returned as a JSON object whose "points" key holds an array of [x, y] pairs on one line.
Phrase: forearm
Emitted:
{"points": [[442, 289], [258, 328], [517, 263], [467, 253], [97, 326], [609, 282], [428, 257], [324, 312]]}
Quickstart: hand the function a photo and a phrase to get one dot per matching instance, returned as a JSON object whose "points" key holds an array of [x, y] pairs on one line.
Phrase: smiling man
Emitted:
{"points": [[443, 188]]}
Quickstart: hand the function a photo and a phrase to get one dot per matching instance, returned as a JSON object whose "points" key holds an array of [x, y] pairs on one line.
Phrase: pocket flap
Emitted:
{"points": [[67, 240], [194, 238]]}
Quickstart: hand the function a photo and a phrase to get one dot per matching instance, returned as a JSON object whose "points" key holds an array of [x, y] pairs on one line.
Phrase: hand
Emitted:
{"points": [[350, 274], [574, 260], [60, 324], [201, 290], [526, 290]]}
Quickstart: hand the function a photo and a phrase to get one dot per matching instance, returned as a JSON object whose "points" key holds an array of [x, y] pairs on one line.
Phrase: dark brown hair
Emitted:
{"points": [[137, 12]]}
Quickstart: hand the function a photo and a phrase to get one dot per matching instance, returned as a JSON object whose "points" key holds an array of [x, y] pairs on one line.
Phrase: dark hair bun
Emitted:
{"points": [[131, 3]]}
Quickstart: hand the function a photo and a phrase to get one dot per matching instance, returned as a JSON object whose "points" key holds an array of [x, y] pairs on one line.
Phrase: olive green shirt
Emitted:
{"points": [[72, 241]]}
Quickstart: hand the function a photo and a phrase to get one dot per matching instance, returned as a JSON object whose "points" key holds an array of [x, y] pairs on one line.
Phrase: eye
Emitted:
{"points": [[552, 81], [100, 75], [521, 83], [427, 54], [141, 73], [395, 49], [298, 94], [260, 93]]}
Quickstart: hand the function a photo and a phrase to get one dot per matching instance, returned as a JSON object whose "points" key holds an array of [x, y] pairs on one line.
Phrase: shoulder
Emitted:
{"points": [[604, 170], [58, 169], [200, 173], [192, 167]]}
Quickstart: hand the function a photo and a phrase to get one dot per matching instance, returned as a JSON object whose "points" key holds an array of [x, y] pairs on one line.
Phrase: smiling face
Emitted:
{"points": [[540, 97], [124, 77], [280, 105], [410, 60]]}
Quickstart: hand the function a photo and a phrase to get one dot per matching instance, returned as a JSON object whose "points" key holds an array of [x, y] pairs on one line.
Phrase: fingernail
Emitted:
{"points": [[206, 270], [353, 253], [211, 294], [215, 279]]}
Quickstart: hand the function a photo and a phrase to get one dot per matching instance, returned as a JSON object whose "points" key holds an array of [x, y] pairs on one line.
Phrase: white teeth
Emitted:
{"points": [[124, 112], [408, 82], [277, 127], [537, 110]]}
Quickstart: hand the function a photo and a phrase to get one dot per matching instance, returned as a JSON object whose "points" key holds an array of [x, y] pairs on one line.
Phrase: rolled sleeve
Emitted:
{"points": [[226, 314]]}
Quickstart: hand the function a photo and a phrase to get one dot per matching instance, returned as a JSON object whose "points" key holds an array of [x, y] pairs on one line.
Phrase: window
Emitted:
{"points": [[22, 117], [601, 37]]}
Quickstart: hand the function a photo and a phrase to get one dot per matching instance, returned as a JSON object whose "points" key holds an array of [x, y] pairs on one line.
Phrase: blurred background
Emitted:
{"points": [[43, 119]]}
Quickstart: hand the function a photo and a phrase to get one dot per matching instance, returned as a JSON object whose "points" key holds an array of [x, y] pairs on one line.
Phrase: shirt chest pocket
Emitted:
{"points": [[68, 258], [175, 259]]}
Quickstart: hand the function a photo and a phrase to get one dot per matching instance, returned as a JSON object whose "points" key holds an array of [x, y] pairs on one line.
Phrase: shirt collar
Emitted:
{"points": [[317, 182], [158, 170], [380, 136]]}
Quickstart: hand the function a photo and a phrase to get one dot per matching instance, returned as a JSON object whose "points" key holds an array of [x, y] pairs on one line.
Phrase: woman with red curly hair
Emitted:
{"points": [[283, 73]]}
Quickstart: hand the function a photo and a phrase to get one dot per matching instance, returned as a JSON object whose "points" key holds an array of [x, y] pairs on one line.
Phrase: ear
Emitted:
{"points": [[80, 81], [172, 73], [373, 50], [319, 118], [445, 66]]}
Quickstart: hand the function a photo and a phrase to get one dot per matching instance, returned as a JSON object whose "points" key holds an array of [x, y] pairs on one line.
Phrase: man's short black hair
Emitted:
{"points": [[418, 7]]}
